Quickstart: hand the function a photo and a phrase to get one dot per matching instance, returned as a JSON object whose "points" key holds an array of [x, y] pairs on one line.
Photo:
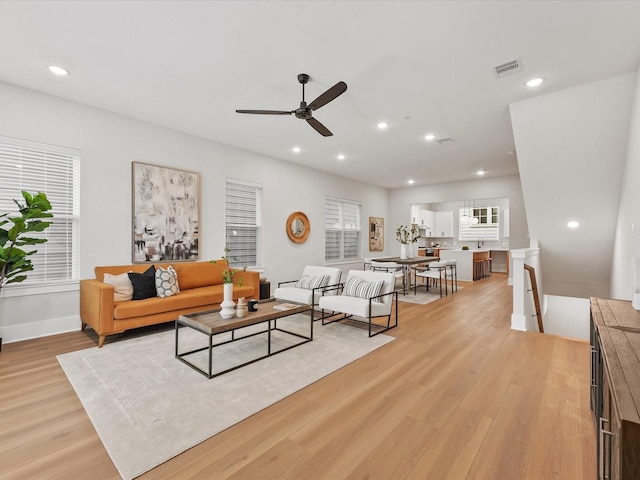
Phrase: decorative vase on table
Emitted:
{"points": [[228, 305], [403, 251]]}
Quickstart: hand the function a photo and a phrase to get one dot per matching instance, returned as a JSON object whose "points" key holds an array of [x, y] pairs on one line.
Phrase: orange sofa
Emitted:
{"points": [[201, 288]]}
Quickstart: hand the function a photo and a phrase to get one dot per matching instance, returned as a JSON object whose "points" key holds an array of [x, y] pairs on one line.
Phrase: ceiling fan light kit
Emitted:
{"points": [[305, 112]]}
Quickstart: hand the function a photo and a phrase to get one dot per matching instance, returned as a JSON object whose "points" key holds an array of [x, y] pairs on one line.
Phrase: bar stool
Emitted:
{"points": [[452, 272], [477, 268]]}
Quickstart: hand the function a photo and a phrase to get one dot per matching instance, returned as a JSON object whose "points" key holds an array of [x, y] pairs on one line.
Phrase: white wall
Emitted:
{"points": [[572, 148], [109, 143], [401, 199], [627, 235]]}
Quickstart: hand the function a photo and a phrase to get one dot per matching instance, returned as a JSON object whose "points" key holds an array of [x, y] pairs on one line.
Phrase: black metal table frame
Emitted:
{"points": [[406, 264], [211, 345]]}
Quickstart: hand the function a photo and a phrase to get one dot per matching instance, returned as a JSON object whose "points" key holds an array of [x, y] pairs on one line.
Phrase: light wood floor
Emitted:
{"points": [[458, 395]]}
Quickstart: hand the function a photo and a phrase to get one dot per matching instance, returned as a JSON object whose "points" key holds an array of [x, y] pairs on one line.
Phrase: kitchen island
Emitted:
{"points": [[465, 260]]}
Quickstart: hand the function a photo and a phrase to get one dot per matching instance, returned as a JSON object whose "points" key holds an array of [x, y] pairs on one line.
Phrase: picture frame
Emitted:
{"points": [[376, 234], [165, 214]]}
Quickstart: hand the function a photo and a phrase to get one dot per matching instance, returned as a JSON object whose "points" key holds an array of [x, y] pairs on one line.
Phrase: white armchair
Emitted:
{"points": [[366, 296], [310, 287]]}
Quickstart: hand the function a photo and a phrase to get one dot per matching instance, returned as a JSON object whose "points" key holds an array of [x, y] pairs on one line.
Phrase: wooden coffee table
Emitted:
{"points": [[211, 324]]}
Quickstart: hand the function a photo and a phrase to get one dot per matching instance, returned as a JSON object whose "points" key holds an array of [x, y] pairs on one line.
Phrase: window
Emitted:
{"points": [[54, 170], [341, 230], [244, 223], [479, 223]]}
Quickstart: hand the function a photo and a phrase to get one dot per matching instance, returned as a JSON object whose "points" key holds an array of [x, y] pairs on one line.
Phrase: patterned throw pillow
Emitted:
{"points": [[122, 286], [310, 283], [357, 287], [167, 282]]}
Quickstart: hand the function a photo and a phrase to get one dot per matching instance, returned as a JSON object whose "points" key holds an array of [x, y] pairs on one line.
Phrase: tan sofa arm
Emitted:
{"points": [[96, 307], [249, 278]]}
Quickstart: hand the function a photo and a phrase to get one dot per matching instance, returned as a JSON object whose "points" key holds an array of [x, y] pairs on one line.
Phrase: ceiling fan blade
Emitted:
{"points": [[320, 128], [331, 94], [265, 112]]}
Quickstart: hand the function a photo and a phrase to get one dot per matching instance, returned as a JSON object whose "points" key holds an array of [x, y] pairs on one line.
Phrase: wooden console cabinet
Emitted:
{"points": [[615, 387]]}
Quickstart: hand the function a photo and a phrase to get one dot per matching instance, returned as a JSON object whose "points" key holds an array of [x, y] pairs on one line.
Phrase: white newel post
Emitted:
{"points": [[518, 317], [228, 305], [523, 314]]}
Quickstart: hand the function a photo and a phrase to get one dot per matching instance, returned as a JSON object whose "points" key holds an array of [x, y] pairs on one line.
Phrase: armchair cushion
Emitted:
{"points": [[302, 291], [354, 305]]}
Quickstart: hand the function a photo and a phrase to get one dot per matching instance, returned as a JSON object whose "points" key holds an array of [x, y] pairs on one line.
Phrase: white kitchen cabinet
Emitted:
{"points": [[427, 220], [443, 224], [415, 214]]}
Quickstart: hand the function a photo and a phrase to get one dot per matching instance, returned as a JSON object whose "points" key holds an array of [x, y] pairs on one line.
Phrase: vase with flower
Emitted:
{"points": [[403, 236], [228, 305]]}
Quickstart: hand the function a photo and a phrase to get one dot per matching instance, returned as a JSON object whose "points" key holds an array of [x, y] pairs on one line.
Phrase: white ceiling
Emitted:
{"points": [[421, 66]]}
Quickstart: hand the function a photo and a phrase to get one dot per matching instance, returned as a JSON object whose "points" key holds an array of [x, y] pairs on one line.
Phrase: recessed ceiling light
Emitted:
{"points": [[482, 171], [341, 156], [411, 182], [296, 149], [573, 224], [430, 137], [534, 82], [58, 70], [383, 125]]}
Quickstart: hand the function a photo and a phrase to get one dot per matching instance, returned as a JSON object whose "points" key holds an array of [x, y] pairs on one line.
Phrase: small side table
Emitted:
{"points": [[265, 289]]}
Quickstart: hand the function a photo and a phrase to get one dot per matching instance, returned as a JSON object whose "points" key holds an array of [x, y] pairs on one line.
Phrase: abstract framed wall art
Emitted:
{"points": [[376, 234], [165, 213]]}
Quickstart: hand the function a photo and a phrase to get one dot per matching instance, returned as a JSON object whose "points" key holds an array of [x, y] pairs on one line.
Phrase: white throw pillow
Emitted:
{"points": [[123, 288], [167, 282]]}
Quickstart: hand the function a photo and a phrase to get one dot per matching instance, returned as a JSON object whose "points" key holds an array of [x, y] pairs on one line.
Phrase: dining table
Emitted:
{"points": [[406, 264]]}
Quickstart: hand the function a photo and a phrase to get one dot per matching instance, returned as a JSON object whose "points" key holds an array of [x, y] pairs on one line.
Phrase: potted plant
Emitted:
{"points": [[228, 273], [14, 259], [403, 236]]}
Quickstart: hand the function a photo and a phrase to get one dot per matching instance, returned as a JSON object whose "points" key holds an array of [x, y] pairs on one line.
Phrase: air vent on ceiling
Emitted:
{"points": [[445, 140], [507, 68]]}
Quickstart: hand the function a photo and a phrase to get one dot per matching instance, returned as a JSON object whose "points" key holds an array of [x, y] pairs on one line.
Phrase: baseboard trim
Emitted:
{"points": [[45, 328]]}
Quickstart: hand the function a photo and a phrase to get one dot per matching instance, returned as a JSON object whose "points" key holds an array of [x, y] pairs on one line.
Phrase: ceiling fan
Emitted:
{"points": [[305, 111]]}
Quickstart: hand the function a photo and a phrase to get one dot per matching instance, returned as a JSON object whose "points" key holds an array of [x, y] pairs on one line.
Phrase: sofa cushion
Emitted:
{"points": [[199, 274], [167, 282], [194, 297], [144, 284], [122, 286]]}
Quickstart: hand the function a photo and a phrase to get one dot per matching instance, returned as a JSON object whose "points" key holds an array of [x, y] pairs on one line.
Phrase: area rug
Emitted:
{"points": [[148, 407], [422, 297]]}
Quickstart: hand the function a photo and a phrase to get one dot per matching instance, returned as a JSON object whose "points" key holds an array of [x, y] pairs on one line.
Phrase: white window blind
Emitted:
{"points": [[341, 230], [54, 170], [486, 227], [244, 223]]}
